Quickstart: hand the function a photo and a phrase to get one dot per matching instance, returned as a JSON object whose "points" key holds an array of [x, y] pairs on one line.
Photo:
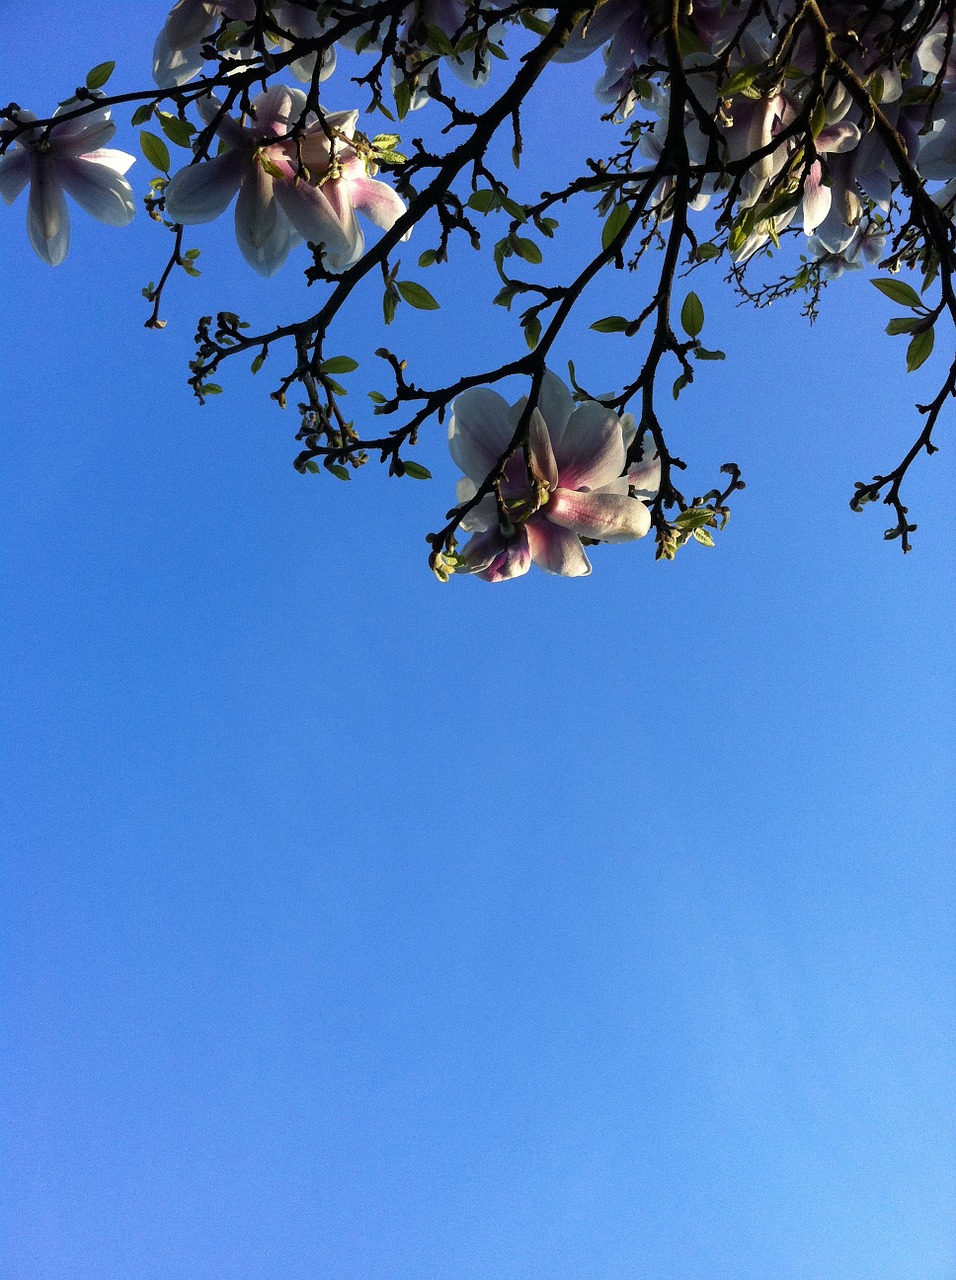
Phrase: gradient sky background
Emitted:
{"points": [[360, 928]]}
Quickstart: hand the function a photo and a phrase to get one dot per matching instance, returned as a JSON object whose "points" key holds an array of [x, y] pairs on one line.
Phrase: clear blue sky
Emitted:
{"points": [[360, 928]]}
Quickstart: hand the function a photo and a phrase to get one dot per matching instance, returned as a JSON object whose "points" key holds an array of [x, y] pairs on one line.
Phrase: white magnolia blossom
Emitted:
{"points": [[68, 158], [288, 191], [576, 454]]}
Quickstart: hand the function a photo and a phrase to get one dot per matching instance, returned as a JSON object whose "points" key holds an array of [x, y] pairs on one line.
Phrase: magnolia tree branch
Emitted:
{"points": [[735, 127]]}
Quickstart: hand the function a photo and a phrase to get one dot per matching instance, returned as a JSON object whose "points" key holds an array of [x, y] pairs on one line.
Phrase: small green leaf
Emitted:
{"points": [[899, 291], [389, 303], [904, 324], [527, 249], [258, 362], [340, 472], [612, 225], [611, 324], [155, 150], [483, 200], [339, 364], [96, 78], [403, 99], [141, 115], [919, 350], [376, 397], [516, 210], [427, 259], [706, 251], [312, 466], [740, 81], [703, 354], [177, 130], [417, 296], [692, 315], [703, 537], [532, 332], [417, 471]]}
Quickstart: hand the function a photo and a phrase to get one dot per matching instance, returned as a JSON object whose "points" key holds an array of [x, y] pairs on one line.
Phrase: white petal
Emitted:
{"points": [[606, 516], [48, 221], [201, 192], [99, 191], [556, 404], [479, 431], [557, 550], [14, 174]]}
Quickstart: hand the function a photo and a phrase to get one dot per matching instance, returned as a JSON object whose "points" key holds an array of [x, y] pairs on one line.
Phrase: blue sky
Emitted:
{"points": [[360, 927]]}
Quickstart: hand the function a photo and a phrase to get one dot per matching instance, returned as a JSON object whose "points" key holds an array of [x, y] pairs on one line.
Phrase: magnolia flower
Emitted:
{"points": [[67, 157], [577, 487], [177, 54], [289, 191]]}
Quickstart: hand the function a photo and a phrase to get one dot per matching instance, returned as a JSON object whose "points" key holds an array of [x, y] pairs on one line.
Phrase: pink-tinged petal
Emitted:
{"points": [[48, 221], [230, 130], [14, 174], [816, 199], [201, 192], [496, 559], [379, 202], [342, 121], [606, 516], [263, 232], [190, 20], [556, 404], [277, 110], [539, 446], [479, 431], [590, 452], [314, 218], [557, 550], [99, 191]]}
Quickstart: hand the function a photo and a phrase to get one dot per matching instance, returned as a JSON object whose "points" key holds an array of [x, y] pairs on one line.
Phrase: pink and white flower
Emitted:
{"points": [[578, 487], [288, 191], [67, 159]]}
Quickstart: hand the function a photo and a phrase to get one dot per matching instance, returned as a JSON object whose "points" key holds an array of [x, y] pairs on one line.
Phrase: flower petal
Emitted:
{"points": [[479, 431], [201, 192], [590, 452], [263, 232], [14, 173], [379, 202], [48, 221], [315, 218], [556, 404], [607, 516], [557, 550], [99, 191], [84, 133], [496, 559]]}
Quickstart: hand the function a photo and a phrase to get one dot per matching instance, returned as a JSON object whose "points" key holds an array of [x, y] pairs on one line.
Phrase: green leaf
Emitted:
{"points": [[258, 362], [899, 291], [339, 364], [340, 472], [692, 315], [740, 81], [612, 225], [904, 324], [611, 324], [96, 78], [416, 295], [706, 251], [527, 249], [403, 99], [516, 210], [417, 471], [919, 350], [376, 397], [312, 466], [703, 537], [703, 354], [389, 303], [177, 130], [483, 200], [155, 150], [141, 115], [532, 332], [428, 258], [694, 518]]}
